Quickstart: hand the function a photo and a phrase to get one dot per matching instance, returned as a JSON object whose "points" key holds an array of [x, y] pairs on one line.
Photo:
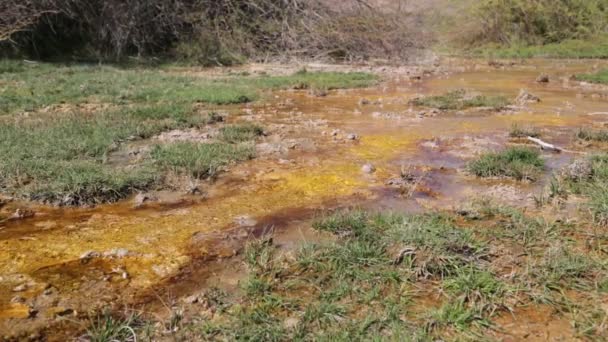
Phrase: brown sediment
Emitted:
{"points": [[533, 323], [157, 240]]}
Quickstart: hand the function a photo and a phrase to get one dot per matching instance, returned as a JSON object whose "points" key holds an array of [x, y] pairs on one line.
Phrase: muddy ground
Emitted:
{"points": [[339, 149]]}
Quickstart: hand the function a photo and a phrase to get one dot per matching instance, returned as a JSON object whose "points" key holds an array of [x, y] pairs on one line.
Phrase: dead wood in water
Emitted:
{"points": [[545, 146]]}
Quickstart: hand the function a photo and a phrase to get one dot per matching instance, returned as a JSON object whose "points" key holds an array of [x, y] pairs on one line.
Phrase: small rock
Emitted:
{"points": [[245, 221], [18, 299], [579, 170], [31, 314], [525, 97], [368, 168], [352, 136], [118, 253], [335, 132], [543, 78], [398, 182], [291, 323], [193, 190], [61, 312], [191, 299], [88, 255], [364, 102], [142, 198], [20, 288], [318, 92], [20, 214]]}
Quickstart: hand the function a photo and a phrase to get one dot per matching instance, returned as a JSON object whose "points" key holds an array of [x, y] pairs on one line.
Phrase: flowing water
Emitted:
{"points": [[150, 248]]}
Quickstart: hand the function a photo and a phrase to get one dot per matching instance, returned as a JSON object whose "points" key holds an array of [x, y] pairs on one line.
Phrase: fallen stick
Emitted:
{"points": [[545, 146], [598, 113]]}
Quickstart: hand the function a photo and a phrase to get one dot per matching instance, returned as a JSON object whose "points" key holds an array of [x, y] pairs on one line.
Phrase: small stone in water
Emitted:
{"points": [[368, 168]]}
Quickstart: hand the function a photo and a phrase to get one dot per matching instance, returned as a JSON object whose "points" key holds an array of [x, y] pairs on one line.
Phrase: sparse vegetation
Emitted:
{"points": [[600, 77], [571, 48], [62, 160], [363, 272], [40, 85], [523, 132], [240, 133], [592, 183], [361, 286], [520, 163], [459, 99], [523, 29], [591, 135], [199, 160], [479, 289], [108, 328]]}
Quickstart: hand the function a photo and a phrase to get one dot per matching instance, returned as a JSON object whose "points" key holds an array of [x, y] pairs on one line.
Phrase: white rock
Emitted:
{"points": [[368, 168]]}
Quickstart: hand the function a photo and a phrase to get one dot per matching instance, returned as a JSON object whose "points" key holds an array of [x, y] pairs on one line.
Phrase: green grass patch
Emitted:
{"points": [[240, 132], [107, 328], [573, 48], [517, 162], [63, 160], [592, 135], [478, 288], [560, 268], [523, 132], [27, 87], [456, 315], [593, 185], [600, 77], [372, 281], [200, 160], [317, 80], [459, 100], [351, 289], [511, 225]]}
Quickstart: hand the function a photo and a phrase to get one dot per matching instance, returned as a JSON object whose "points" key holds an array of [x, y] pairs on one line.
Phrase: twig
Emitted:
{"points": [[544, 145]]}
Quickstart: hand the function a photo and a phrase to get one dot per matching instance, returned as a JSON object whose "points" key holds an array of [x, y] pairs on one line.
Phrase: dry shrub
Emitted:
{"points": [[106, 28], [367, 33], [209, 31]]}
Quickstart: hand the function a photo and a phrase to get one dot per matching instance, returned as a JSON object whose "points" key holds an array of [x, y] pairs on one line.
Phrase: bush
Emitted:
{"points": [[537, 22], [208, 32]]}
